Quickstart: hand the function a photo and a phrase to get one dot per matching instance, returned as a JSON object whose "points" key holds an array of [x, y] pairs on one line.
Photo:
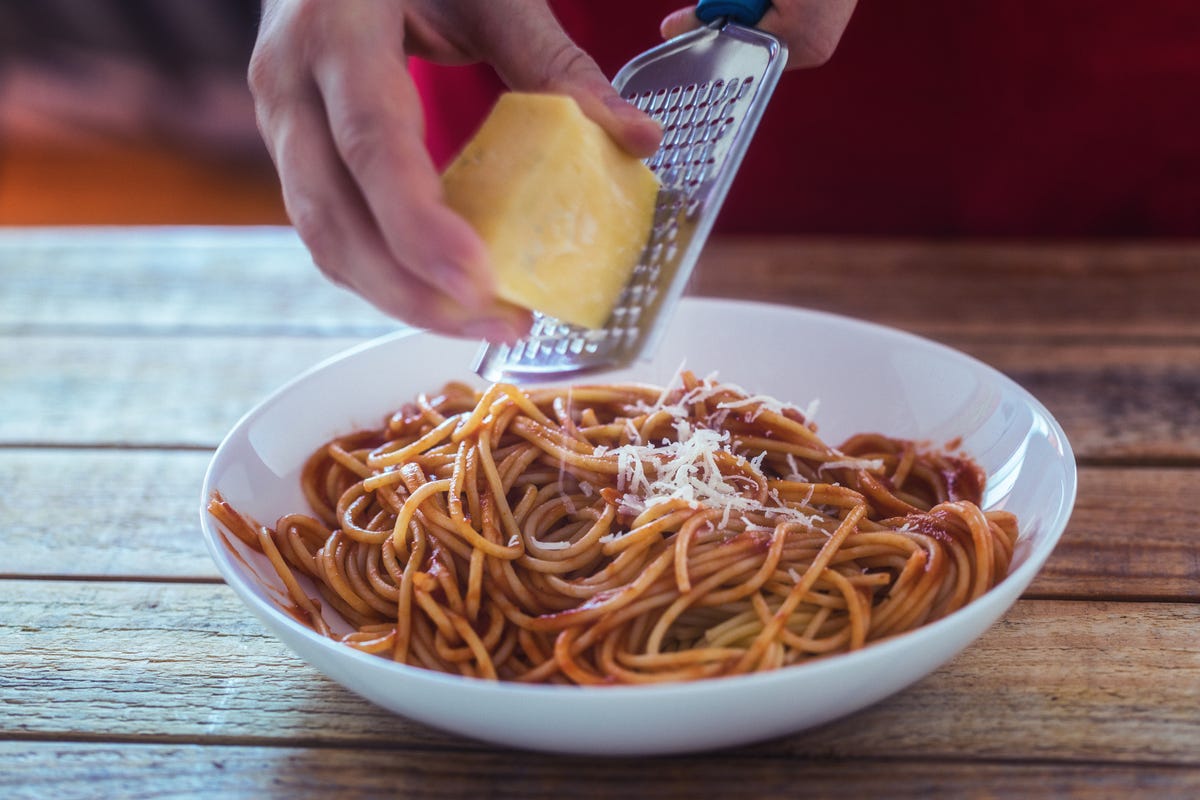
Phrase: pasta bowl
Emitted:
{"points": [[863, 376]]}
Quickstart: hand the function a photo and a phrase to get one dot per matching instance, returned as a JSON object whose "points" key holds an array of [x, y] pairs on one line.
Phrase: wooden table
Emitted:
{"points": [[128, 669]]}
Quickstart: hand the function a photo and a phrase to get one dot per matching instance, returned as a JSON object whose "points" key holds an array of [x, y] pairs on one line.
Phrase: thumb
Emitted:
{"points": [[531, 52], [679, 22]]}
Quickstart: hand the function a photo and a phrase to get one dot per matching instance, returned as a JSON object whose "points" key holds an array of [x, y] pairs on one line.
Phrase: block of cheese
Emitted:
{"points": [[564, 211]]}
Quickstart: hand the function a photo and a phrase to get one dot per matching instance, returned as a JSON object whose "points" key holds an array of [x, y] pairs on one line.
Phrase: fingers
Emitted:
{"points": [[811, 29], [342, 122], [373, 115], [531, 52], [342, 119], [679, 22], [330, 215]]}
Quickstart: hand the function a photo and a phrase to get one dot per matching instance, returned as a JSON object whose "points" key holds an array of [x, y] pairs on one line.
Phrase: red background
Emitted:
{"points": [[945, 117]]}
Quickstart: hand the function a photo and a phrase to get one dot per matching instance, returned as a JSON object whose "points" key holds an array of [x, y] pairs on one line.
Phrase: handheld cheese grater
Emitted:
{"points": [[708, 88]]}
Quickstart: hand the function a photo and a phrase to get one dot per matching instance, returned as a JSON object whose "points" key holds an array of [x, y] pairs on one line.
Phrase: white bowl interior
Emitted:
{"points": [[864, 377]]}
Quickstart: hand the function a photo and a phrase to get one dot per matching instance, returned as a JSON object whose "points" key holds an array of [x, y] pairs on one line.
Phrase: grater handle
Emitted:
{"points": [[743, 12]]}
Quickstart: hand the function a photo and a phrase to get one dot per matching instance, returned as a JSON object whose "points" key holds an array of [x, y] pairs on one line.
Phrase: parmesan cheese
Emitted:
{"points": [[564, 211], [687, 468]]}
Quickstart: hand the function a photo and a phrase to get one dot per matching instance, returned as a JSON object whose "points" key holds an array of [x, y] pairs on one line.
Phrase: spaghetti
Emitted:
{"points": [[626, 534]]}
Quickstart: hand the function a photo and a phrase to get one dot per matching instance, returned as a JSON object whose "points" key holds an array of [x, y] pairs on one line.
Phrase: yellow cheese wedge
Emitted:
{"points": [[564, 211]]}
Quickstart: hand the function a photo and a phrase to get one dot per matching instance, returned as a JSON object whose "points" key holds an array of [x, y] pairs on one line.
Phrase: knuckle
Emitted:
{"points": [[288, 33], [262, 70], [566, 61], [359, 139]]}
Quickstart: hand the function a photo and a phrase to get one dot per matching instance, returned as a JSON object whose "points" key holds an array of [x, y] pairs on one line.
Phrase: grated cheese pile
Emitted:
{"points": [[686, 468]]}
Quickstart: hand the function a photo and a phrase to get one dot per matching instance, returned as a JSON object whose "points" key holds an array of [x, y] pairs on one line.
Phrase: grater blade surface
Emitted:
{"points": [[708, 89]]}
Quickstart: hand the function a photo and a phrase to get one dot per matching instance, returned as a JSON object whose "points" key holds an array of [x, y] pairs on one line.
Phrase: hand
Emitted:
{"points": [[810, 28], [342, 120]]}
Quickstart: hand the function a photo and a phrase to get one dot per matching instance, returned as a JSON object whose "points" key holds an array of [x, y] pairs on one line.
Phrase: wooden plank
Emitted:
{"points": [[1115, 402], [156, 391], [138, 510], [170, 280], [1129, 537], [939, 288], [186, 661], [102, 513], [45, 769], [262, 279], [1112, 682]]}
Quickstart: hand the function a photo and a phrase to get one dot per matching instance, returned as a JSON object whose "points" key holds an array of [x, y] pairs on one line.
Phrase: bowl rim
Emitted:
{"points": [[1019, 578]]}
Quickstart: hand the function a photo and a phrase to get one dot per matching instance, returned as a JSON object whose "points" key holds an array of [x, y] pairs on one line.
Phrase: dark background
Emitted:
{"points": [[941, 118]]}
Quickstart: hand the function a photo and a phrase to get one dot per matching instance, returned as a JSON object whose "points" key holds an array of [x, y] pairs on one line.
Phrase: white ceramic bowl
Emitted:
{"points": [[866, 378]]}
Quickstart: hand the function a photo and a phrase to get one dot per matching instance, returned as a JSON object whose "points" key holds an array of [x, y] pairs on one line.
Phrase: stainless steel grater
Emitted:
{"points": [[708, 89]]}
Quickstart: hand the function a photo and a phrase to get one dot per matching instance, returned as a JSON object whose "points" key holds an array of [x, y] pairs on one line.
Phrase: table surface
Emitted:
{"points": [[127, 668]]}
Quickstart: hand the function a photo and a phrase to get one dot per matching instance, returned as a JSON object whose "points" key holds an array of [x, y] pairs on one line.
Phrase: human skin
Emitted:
{"points": [[341, 118]]}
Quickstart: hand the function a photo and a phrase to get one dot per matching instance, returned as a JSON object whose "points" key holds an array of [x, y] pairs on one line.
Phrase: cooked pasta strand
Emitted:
{"points": [[624, 533]]}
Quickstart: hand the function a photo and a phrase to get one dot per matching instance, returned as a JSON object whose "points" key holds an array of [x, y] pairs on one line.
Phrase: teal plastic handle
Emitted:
{"points": [[743, 12]]}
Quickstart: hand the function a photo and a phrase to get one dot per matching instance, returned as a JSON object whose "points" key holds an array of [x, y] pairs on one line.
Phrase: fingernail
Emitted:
{"points": [[650, 130]]}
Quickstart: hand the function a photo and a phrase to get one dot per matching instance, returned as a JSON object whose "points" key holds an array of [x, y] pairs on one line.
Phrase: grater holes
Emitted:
{"points": [[673, 95], [659, 101], [696, 118], [655, 252], [746, 87], [549, 341], [626, 317], [687, 114]]}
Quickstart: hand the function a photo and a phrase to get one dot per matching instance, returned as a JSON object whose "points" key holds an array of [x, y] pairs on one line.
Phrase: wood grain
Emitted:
{"points": [[128, 669], [143, 391], [89, 660], [41, 769], [141, 508], [262, 280], [1115, 402], [173, 280], [1096, 289], [1124, 538], [103, 514]]}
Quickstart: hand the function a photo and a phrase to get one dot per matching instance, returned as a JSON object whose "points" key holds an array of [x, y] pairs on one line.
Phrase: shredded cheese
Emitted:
{"points": [[687, 468], [750, 526], [761, 403]]}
